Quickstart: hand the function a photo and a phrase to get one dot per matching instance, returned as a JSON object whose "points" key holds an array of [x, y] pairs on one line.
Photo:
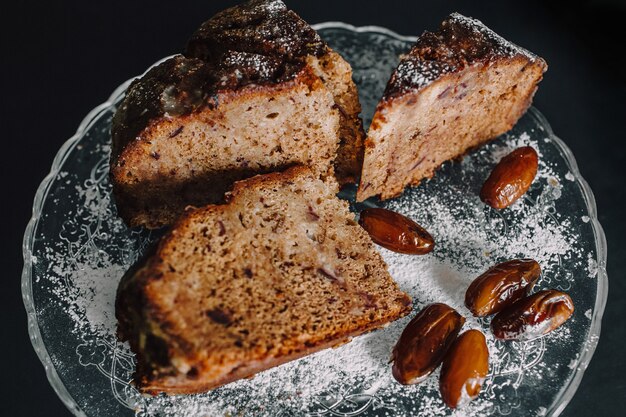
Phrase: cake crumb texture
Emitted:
{"points": [[280, 271]]}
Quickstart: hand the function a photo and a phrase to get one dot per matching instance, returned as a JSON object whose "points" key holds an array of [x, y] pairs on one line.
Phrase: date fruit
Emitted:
{"points": [[464, 369], [396, 232], [511, 178], [501, 286], [424, 343], [533, 316]]}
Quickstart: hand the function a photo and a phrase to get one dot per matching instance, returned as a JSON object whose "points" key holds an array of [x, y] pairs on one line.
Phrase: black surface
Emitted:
{"points": [[61, 60]]}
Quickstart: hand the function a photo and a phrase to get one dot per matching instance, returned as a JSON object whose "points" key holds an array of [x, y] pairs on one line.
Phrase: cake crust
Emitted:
{"points": [[264, 27], [459, 43]]}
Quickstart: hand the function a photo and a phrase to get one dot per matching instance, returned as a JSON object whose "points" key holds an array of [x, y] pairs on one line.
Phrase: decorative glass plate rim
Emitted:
{"points": [[42, 191]]}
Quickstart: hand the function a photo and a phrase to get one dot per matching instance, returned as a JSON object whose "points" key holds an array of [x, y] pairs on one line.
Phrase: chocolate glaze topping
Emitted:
{"points": [[258, 42], [460, 42]]}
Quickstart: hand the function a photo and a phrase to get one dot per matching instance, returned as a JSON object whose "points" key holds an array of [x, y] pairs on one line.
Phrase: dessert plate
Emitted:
{"points": [[76, 250]]}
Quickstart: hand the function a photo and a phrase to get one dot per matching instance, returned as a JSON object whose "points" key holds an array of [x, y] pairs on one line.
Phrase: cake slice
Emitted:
{"points": [[280, 271], [267, 27], [454, 90], [256, 91]]}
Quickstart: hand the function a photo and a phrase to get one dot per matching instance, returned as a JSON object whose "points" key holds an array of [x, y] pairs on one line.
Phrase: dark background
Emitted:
{"points": [[60, 61]]}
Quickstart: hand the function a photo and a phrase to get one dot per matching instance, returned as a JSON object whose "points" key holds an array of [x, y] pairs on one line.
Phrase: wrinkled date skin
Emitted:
{"points": [[511, 178], [533, 316], [396, 232], [501, 286], [424, 343], [464, 369]]}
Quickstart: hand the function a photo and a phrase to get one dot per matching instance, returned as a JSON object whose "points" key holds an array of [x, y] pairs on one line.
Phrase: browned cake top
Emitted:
{"points": [[263, 27], [258, 42], [460, 42]]}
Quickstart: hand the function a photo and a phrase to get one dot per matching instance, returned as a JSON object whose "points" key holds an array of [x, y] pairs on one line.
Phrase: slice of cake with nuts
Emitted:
{"points": [[280, 271]]}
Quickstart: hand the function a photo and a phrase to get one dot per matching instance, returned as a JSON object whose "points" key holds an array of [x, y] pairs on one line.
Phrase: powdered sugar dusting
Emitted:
{"points": [[419, 73], [354, 378], [82, 270], [503, 46], [470, 237], [95, 296], [459, 43]]}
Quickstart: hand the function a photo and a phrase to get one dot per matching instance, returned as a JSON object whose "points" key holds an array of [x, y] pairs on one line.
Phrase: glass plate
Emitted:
{"points": [[76, 249]]}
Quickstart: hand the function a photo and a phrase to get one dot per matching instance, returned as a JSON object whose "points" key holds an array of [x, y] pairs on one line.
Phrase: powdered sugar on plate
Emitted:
{"points": [[84, 268]]}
